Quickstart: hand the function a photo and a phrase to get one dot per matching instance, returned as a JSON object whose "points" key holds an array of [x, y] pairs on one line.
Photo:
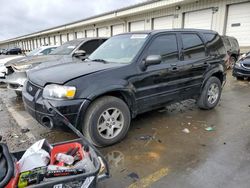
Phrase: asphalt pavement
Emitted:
{"points": [[178, 146]]}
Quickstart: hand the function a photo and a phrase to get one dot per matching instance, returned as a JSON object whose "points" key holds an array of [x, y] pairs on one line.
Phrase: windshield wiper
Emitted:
{"points": [[99, 60]]}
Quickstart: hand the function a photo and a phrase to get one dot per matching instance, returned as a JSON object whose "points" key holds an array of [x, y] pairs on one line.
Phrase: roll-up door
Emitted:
{"points": [[165, 22], [201, 19], [117, 29], [137, 26], [238, 23]]}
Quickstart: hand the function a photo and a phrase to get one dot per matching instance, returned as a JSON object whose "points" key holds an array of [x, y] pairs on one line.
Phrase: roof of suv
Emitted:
{"points": [[171, 30]]}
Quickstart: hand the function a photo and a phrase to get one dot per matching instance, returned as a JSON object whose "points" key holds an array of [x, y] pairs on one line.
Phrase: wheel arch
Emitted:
{"points": [[121, 93]]}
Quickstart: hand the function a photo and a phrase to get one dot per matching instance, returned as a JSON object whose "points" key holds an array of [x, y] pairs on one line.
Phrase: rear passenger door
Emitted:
{"points": [[194, 63]]}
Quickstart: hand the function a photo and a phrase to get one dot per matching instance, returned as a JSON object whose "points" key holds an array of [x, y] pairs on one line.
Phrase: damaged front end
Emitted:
{"points": [[15, 79]]}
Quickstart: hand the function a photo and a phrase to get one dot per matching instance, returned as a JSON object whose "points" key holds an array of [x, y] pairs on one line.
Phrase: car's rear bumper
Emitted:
{"points": [[36, 107]]}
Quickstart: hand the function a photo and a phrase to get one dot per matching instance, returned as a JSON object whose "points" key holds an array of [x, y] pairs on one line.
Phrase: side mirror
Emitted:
{"points": [[151, 60], [79, 53]]}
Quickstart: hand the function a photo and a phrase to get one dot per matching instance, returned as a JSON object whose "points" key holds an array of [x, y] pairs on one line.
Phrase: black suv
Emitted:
{"points": [[127, 75], [233, 50], [13, 51]]}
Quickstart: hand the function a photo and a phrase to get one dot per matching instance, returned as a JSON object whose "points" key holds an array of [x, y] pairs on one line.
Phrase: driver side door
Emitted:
{"points": [[158, 84]]}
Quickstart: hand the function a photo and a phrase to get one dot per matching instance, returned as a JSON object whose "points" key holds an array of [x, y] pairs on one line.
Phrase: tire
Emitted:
{"points": [[99, 113], [18, 93], [205, 101]]}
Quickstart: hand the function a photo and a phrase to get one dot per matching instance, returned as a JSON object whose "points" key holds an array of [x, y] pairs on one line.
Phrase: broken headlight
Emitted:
{"points": [[54, 91]]}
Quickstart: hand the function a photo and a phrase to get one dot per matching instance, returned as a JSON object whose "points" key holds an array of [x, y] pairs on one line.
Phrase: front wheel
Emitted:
{"points": [[210, 94], [107, 121]]}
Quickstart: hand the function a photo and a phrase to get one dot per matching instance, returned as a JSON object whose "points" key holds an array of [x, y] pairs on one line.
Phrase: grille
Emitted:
{"points": [[31, 88]]}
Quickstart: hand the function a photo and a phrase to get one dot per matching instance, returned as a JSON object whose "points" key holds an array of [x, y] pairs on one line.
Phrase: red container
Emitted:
{"points": [[64, 148]]}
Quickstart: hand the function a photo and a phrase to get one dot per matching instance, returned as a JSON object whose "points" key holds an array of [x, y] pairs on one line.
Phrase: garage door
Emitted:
{"points": [[47, 40], [165, 22], [90, 33], [137, 26], [58, 42], [70, 36], [79, 34], [117, 29], [41, 41], [102, 32], [64, 38], [238, 23], [201, 19]]}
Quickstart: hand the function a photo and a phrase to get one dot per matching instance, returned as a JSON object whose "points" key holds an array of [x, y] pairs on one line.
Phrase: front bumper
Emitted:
{"points": [[241, 71], [16, 80], [35, 105]]}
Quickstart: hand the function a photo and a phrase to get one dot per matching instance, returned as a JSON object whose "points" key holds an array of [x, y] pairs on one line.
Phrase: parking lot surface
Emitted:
{"points": [[178, 146]]}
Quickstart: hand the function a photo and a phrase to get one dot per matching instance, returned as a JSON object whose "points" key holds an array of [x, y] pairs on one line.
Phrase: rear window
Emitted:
{"points": [[214, 44], [193, 47]]}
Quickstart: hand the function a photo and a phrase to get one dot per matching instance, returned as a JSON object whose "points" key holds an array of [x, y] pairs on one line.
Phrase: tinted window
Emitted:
{"points": [[90, 46], [214, 44], [193, 47], [166, 46], [66, 48]]}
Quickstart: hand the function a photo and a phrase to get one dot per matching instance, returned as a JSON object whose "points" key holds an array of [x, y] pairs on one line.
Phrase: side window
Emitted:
{"points": [[90, 46], [193, 47], [46, 51], [166, 46]]}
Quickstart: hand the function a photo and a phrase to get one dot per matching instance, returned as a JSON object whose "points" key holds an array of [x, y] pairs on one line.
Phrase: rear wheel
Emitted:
{"points": [[106, 121], [210, 94]]}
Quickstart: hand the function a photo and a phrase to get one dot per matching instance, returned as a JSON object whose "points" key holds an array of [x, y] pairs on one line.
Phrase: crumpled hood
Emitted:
{"points": [[60, 74], [34, 59]]}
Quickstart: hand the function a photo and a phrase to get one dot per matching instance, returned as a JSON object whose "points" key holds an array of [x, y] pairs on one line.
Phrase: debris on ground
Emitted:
{"points": [[159, 141], [210, 128], [133, 176], [146, 137], [186, 130], [189, 123], [25, 130]]}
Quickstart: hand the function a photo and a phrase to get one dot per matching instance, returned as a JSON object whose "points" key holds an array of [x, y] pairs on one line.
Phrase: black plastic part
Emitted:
{"points": [[9, 165]]}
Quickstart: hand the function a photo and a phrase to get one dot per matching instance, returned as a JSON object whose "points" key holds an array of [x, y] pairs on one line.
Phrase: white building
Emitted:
{"points": [[228, 17]]}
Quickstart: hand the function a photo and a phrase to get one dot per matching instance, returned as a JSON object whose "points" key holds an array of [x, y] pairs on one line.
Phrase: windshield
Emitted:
{"points": [[66, 48], [120, 48], [34, 52]]}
